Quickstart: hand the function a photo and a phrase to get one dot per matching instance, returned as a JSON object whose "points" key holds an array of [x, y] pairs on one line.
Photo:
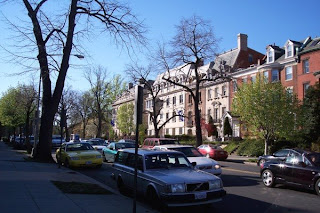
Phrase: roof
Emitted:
{"points": [[313, 45], [163, 139], [173, 146], [149, 151], [229, 58]]}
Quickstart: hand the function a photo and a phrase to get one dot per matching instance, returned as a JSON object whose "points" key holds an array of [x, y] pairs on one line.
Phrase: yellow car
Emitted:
{"points": [[78, 154]]}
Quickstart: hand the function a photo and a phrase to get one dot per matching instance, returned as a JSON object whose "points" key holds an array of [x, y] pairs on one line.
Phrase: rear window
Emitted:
{"points": [[164, 142]]}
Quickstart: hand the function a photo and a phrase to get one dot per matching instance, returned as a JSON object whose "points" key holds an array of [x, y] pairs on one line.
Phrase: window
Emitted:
{"points": [[266, 76], [216, 114], [216, 92], [289, 49], [288, 73], [168, 101], [209, 112], [253, 78], [209, 94], [289, 91], [161, 116], [305, 88], [244, 80], [167, 131], [275, 76], [235, 86], [224, 90], [174, 117], [181, 99], [174, 100], [270, 56], [180, 131], [223, 110], [167, 115], [305, 66], [250, 58], [190, 99]]}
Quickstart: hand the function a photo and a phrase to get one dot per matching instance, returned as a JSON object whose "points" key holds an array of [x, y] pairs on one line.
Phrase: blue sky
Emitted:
{"points": [[265, 22]]}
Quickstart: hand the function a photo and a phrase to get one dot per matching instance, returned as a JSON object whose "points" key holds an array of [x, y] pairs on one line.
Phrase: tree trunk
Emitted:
{"points": [[197, 117], [266, 146], [28, 145]]}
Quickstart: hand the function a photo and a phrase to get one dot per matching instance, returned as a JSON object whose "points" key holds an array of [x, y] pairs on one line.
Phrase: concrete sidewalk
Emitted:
{"points": [[26, 187]]}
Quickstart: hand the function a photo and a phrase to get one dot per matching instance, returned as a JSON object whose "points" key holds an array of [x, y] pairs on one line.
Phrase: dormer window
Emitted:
{"points": [[289, 50], [270, 56]]}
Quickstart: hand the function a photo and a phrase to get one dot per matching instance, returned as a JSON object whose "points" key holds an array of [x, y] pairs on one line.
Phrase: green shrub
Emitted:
{"points": [[252, 148], [231, 146]]}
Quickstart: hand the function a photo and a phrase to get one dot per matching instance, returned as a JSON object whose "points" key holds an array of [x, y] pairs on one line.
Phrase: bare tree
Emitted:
{"points": [[194, 43], [141, 74], [54, 37]]}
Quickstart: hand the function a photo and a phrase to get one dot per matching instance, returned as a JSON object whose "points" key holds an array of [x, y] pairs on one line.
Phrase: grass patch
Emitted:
{"points": [[80, 188], [252, 160]]}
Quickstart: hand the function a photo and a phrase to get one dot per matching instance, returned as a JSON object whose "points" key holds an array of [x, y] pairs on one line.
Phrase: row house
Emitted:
{"points": [[296, 65]]}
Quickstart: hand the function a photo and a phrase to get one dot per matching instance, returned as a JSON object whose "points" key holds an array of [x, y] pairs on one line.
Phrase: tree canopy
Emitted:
{"points": [[125, 118], [267, 108]]}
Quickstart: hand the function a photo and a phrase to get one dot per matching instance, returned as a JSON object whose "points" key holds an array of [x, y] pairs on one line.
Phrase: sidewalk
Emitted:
{"points": [[26, 187]]}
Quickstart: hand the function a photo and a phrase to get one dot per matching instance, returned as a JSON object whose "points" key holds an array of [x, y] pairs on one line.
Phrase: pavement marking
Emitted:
{"points": [[241, 171]]}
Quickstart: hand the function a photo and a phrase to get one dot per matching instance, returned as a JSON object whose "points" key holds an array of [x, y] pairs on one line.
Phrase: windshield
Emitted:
{"points": [[95, 142], [172, 160], [124, 145], [314, 158], [79, 147], [189, 151]]}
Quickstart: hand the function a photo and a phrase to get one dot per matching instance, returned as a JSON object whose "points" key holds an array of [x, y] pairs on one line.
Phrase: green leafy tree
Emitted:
{"points": [[125, 118], [267, 109], [227, 130], [11, 112], [311, 113]]}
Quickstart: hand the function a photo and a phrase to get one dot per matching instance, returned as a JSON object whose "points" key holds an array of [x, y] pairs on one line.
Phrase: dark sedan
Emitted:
{"points": [[279, 155], [302, 170]]}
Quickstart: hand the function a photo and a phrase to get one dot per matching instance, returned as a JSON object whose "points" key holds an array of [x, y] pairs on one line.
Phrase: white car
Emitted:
{"points": [[166, 178], [57, 141], [203, 163]]}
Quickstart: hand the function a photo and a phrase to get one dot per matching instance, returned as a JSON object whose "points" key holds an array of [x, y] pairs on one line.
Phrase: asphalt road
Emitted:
{"points": [[245, 192]]}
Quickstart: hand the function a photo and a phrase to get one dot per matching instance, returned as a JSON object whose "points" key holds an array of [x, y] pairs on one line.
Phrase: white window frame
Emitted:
{"points": [[270, 55], [305, 71], [289, 49], [288, 73]]}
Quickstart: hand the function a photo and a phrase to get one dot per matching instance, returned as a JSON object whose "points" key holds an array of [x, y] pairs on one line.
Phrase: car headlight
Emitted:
{"points": [[215, 184], [179, 187], [98, 156], [74, 158], [217, 166]]}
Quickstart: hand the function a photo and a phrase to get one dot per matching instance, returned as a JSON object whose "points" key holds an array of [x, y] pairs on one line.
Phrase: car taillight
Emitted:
{"points": [[261, 165]]}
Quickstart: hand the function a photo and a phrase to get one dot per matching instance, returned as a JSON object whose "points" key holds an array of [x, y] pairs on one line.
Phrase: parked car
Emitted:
{"points": [[78, 154], [193, 155], [279, 155], [213, 151], [166, 178], [57, 140], [109, 152], [298, 170], [127, 140], [97, 143], [149, 143]]}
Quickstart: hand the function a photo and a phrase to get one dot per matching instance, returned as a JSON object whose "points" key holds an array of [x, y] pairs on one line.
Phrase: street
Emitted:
{"points": [[245, 191]]}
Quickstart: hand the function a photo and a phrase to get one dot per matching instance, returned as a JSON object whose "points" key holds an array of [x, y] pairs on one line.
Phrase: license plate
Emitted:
{"points": [[222, 153], [88, 162], [200, 195]]}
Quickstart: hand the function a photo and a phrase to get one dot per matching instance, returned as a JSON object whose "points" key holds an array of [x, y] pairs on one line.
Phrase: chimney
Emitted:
{"points": [[130, 85], [242, 42]]}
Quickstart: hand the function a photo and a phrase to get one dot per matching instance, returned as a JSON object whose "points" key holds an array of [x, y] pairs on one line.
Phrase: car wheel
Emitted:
{"points": [[267, 178], [261, 162], [153, 198], [121, 186], [66, 163], [317, 187]]}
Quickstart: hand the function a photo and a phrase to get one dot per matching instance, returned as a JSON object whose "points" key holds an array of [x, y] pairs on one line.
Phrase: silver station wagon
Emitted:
{"points": [[166, 178]]}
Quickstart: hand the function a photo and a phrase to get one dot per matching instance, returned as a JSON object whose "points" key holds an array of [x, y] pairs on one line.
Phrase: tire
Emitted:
{"points": [[66, 163], [317, 187], [262, 161], [121, 186], [153, 198], [267, 178]]}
